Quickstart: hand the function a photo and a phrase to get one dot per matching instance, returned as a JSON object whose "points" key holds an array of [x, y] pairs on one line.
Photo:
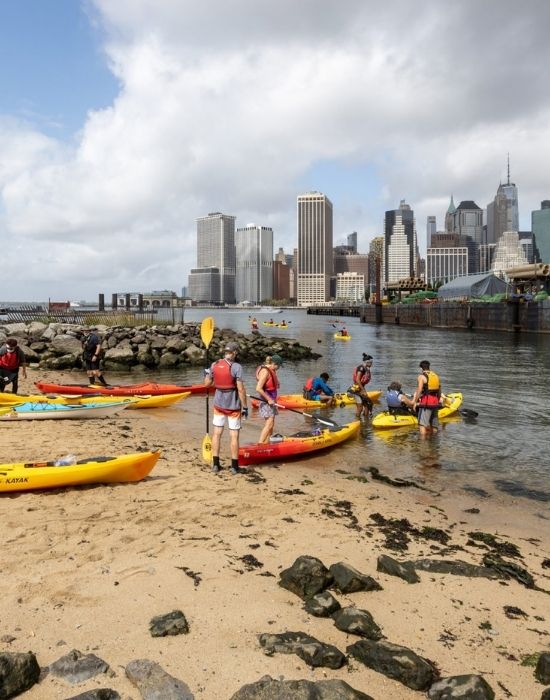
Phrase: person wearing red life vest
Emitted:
{"points": [[427, 399], [230, 404], [267, 388], [361, 377], [12, 358]]}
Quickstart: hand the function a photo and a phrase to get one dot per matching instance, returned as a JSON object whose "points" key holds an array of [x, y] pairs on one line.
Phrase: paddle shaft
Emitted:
{"points": [[330, 423]]}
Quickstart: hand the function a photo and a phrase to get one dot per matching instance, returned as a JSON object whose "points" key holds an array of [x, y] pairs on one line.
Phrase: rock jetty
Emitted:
{"points": [[58, 346]]}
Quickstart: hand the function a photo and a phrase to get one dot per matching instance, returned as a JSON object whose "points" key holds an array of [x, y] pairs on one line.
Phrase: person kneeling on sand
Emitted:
{"points": [[267, 388]]}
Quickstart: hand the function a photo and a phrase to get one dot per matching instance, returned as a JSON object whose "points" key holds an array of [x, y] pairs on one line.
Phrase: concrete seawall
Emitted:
{"points": [[512, 316]]}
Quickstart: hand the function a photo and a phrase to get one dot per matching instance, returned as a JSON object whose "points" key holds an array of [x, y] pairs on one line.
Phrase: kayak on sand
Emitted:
{"points": [[147, 388], [134, 402], [297, 445], [298, 401], [40, 411], [387, 420], [95, 470]]}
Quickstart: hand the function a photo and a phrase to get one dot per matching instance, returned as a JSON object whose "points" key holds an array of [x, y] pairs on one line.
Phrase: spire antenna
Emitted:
{"points": [[508, 169]]}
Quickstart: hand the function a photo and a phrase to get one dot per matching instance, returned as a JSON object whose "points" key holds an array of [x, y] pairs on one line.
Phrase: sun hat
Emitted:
{"points": [[277, 359]]}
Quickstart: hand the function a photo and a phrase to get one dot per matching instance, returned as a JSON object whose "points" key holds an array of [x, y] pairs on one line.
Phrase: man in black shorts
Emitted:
{"points": [[91, 355]]}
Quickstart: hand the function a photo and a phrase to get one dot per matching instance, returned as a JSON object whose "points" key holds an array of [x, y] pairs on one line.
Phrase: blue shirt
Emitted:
{"points": [[320, 386]]}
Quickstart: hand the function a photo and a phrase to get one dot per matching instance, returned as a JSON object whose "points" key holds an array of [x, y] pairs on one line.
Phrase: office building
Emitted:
{"points": [[503, 211], [468, 221], [431, 229], [508, 253], [204, 285], [376, 259], [540, 226], [254, 264], [314, 248], [352, 241], [486, 256], [281, 281], [350, 287], [449, 216], [400, 247], [445, 263], [216, 248]]}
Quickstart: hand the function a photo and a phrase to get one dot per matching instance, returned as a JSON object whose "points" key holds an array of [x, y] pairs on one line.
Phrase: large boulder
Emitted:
{"points": [[66, 345], [18, 673], [35, 330], [306, 577], [467, 687], [119, 356], [268, 688], [349, 580], [19, 330], [168, 360], [396, 662]]}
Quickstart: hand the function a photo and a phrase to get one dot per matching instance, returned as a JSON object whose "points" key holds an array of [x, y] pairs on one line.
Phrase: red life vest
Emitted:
{"points": [[10, 360], [308, 386], [431, 391], [361, 375], [272, 383], [222, 377]]}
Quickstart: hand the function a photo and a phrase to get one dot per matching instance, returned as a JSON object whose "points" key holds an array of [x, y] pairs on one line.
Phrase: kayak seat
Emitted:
{"points": [[95, 459]]}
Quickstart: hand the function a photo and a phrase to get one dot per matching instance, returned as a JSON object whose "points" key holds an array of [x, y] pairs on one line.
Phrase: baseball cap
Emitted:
{"points": [[277, 359], [231, 347]]}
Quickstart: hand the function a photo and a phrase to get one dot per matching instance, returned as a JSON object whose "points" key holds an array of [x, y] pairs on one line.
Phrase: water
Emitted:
{"points": [[502, 376]]}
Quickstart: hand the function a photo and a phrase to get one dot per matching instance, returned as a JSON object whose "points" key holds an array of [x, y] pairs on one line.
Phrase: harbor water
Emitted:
{"points": [[503, 377]]}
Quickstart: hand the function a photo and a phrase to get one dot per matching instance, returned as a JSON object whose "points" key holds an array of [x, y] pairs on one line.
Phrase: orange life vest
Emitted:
{"points": [[308, 386], [361, 375], [272, 383], [222, 377]]}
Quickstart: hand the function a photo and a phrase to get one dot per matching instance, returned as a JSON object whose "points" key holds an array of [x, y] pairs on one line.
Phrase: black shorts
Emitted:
{"points": [[91, 363]]}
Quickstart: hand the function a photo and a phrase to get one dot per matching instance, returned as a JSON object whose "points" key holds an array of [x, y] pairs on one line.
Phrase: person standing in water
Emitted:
{"points": [[267, 388]]}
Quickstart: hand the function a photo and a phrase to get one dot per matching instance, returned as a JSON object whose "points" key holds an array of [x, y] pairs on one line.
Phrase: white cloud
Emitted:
{"points": [[226, 106]]}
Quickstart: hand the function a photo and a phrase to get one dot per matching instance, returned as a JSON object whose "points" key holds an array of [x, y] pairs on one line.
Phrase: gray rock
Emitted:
{"points": [[49, 333], [193, 354], [124, 356], [396, 662], [175, 345], [467, 687], [309, 649], [268, 688], [322, 604], [404, 570], [98, 694], [355, 621], [456, 567], [169, 359], [306, 577], [17, 329], [168, 625], [349, 580], [154, 683], [63, 362], [76, 667], [542, 670], [35, 330], [158, 342], [18, 672], [508, 569], [66, 345]]}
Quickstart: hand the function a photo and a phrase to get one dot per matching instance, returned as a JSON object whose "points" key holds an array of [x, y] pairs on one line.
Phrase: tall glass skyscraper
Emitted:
{"points": [[503, 211], [540, 226], [400, 246], [254, 264], [314, 248], [216, 248]]}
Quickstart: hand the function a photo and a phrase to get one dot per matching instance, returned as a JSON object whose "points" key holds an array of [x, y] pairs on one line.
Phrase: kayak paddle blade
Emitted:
{"points": [[207, 330], [207, 449]]}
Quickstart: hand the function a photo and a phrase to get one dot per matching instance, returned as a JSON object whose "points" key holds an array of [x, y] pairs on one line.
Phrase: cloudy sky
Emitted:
{"points": [[121, 121]]}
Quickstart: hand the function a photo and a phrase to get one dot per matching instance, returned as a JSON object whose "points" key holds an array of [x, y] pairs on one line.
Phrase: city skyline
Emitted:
{"points": [[111, 141]]}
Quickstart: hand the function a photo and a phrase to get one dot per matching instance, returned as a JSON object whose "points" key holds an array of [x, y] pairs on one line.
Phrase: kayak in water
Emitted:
{"points": [[387, 420]]}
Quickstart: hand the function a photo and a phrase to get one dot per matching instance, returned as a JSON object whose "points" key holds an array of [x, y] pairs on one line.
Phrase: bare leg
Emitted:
{"points": [[216, 440], [267, 431], [234, 435]]}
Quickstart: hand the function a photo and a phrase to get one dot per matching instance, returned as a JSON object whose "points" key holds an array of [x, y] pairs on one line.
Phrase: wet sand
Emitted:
{"points": [[88, 568]]}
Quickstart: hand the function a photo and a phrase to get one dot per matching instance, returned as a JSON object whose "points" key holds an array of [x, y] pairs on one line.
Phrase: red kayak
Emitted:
{"points": [[298, 445], [145, 389]]}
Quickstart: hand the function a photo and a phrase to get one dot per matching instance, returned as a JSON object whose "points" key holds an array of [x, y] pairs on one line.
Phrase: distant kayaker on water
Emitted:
{"points": [[254, 324], [344, 331], [317, 389], [427, 399], [91, 355], [361, 377], [230, 404], [267, 387], [12, 358]]}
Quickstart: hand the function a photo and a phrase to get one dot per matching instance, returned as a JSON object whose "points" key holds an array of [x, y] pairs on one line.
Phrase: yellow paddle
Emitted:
{"points": [[207, 333]]}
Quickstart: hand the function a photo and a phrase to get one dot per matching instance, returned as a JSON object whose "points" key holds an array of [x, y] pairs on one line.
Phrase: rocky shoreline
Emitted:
{"points": [[58, 346]]}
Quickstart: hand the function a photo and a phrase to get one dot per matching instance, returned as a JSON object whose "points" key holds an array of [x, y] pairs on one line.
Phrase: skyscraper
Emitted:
{"points": [[254, 264], [540, 226], [431, 229], [314, 248], [503, 211], [352, 241], [449, 216], [216, 248], [400, 248], [508, 253]]}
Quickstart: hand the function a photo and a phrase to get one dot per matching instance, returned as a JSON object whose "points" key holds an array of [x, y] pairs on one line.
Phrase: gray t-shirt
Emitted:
{"points": [[227, 399]]}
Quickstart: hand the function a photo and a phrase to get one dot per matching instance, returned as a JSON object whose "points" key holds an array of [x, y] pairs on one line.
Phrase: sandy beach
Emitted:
{"points": [[87, 568]]}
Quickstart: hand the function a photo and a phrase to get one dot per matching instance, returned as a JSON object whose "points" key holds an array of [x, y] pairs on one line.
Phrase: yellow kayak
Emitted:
{"points": [[97, 470], [387, 420], [7, 399], [298, 401], [339, 336]]}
